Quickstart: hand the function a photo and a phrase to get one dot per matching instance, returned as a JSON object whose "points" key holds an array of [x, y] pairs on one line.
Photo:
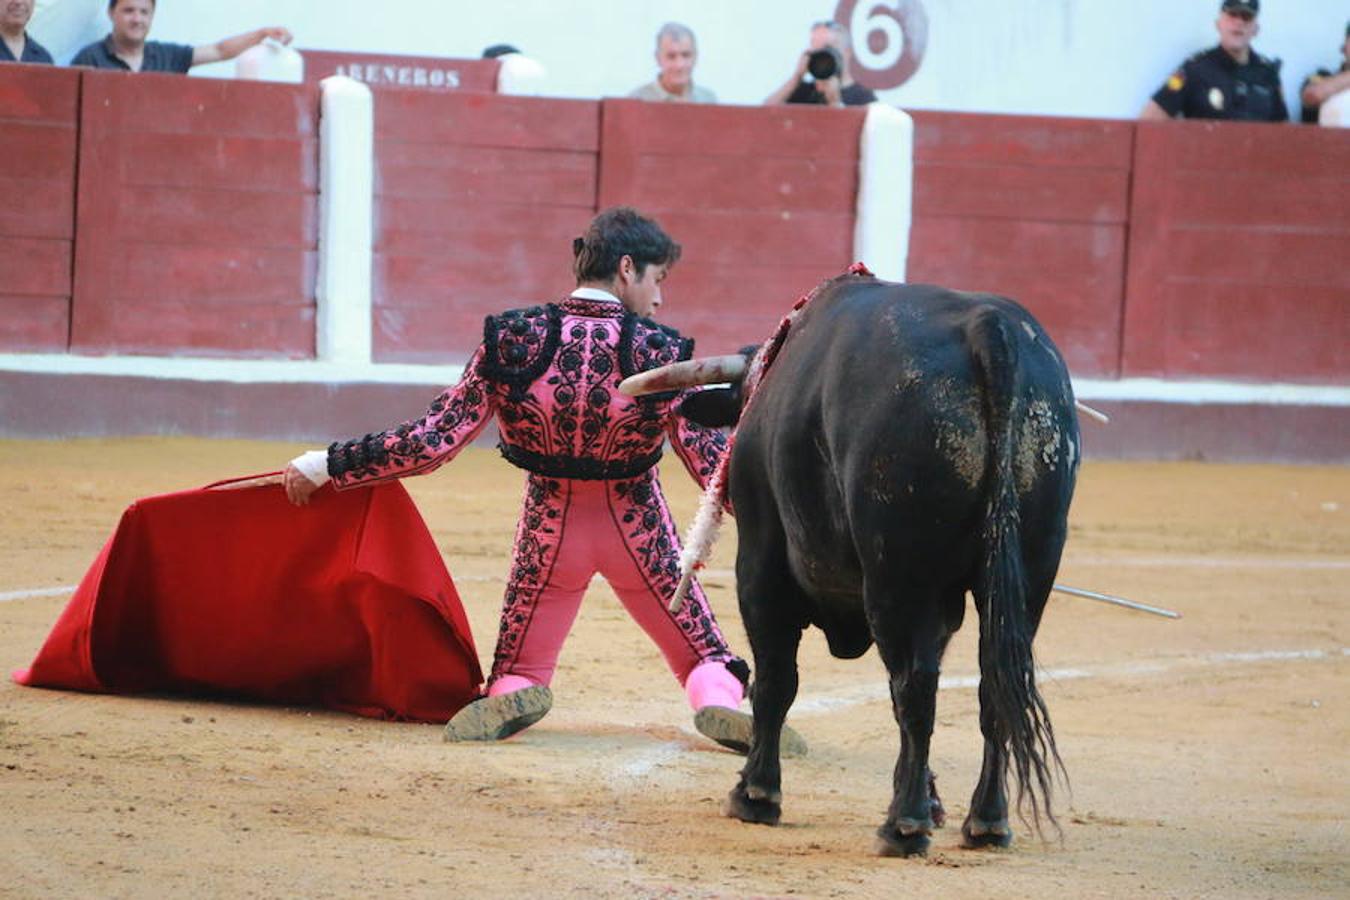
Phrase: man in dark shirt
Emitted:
{"points": [[15, 44], [1230, 81], [1324, 84], [837, 89], [126, 47]]}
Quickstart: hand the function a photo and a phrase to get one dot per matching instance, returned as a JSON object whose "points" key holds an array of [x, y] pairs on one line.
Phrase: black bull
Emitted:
{"points": [[909, 444]]}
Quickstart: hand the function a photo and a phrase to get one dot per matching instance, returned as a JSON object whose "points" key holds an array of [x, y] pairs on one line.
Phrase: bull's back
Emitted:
{"points": [[877, 411]]}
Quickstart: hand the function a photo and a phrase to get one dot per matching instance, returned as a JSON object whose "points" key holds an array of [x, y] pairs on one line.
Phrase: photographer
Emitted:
{"points": [[822, 74]]}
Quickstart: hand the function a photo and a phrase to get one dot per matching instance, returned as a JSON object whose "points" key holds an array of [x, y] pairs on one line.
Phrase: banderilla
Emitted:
{"points": [[1118, 601]]}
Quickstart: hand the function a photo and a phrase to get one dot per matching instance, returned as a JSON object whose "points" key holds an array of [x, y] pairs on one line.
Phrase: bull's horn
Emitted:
{"points": [[691, 372]]}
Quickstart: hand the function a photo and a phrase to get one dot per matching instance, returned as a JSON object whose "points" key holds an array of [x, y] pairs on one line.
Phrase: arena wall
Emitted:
{"points": [[1238, 253], [762, 200], [1172, 263], [39, 120], [1032, 208], [196, 221], [477, 199]]}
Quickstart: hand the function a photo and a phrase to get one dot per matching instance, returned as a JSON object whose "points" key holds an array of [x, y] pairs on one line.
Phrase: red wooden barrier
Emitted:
{"points": [[39, 109], [478, 197], [1238, 260], [418, 73], [197, 217], [762, 201], [1031, 208]]}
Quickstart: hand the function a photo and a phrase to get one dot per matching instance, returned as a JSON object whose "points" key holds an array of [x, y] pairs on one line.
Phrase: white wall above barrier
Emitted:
{"points": [[1048, 57]]}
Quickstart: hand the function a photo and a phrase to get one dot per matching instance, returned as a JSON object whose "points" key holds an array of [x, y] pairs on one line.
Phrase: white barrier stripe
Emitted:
{"points": [[1157, 390], [245, 371], [1207, 562], [817, 704], [233, 371], [36, 592], [1145, 562]]}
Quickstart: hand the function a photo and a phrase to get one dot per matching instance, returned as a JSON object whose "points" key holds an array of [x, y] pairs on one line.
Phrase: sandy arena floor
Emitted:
{"points": [[1208, 756]]}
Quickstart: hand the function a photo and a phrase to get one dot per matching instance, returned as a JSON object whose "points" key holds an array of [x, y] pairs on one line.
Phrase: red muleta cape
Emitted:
{"points": [[344, 603]]}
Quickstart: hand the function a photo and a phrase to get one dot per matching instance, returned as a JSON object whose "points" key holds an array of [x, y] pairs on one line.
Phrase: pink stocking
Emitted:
{"points": [[710, 684]]}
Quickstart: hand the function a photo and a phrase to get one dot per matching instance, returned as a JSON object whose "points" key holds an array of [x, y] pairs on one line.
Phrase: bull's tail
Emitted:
{"points": [[1007, 669]]}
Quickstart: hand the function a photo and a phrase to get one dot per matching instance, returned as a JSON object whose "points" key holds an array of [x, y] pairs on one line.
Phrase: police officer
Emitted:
{"points": [[1230, 81], [1325, 84]]}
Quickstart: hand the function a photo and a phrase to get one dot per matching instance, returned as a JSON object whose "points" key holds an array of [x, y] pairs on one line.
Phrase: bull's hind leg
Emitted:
{"points": [[771, 605], [911, 642], [986, 824]]}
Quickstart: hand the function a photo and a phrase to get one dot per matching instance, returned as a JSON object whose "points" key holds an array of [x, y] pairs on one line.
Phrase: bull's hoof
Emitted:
{"points": [[891, 841], [977, 834], [766, 810]]}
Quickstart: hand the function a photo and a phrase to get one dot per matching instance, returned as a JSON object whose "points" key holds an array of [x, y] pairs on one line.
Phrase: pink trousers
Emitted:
{"points": [[571, 530]]}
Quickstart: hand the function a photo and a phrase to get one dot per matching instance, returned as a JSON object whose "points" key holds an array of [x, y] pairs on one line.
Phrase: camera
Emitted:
{"points": [[824, 63]]}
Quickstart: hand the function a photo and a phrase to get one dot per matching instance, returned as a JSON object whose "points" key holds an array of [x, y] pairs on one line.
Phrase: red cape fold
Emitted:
{"points": [[344, 603]]}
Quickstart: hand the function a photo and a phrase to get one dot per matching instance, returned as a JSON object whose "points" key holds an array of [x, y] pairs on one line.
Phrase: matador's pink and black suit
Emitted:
{"points": [[592, 502]]}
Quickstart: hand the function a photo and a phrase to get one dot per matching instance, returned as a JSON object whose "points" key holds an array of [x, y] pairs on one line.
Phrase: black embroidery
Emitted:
{"points": [[651, 535], [644, 344], [704, 447], [519, 346], [595, 309], [537, 540], [406, 445]]}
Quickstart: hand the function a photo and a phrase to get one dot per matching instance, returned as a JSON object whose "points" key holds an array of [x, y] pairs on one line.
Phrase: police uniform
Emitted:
{"points": [[1213, 85]]}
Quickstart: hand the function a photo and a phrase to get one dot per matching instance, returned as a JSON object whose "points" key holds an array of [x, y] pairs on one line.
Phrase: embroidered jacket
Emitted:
{"points": [[550, 374]]}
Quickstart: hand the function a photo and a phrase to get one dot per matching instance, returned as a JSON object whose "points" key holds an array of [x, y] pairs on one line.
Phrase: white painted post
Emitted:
{"points": [[885, 191], [346, 192]]}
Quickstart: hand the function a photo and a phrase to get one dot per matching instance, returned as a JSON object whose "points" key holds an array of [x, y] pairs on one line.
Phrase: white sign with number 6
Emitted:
{"points": [[888, 39]]}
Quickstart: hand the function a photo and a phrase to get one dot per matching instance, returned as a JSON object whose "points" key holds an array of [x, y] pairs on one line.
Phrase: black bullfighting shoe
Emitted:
{"points": [[732, 728], [495, 718]]}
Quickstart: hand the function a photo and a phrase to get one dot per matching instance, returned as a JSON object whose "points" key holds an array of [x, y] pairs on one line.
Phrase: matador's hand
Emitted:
{"points": [[298, 487]]}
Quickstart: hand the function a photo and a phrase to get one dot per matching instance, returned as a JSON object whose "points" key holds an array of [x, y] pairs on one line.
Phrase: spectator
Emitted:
{"points": [[15, 43], [826, 60], [1323, 85], [676, 54], [1229, 81], [126, 47]]}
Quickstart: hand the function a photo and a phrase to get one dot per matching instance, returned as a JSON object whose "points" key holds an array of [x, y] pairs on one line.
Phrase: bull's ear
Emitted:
{"points": [[715, 408]]}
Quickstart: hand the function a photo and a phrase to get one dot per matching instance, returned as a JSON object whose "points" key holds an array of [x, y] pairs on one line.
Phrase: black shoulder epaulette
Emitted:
{"points": [[518, 345], [645, 344]]}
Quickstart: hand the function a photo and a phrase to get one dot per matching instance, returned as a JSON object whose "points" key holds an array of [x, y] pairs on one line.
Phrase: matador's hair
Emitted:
{"points": [[618, 232]]}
